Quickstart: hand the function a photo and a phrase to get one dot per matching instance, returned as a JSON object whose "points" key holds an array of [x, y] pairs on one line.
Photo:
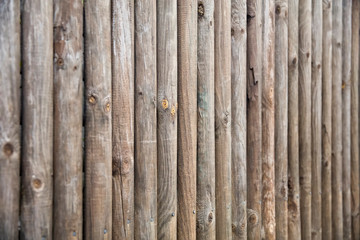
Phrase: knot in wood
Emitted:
{"points": [[8, 149]]}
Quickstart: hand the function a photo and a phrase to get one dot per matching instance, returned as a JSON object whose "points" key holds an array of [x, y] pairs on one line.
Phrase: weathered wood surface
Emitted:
{"points": [[68, 119], [187, 126], [253, 121], [223, 118], [294, 223], [167, 118], [98, 139], [145, 120], [37, 119], [205, 194], [354, 122], [346, 108], [336, 122], [123, 119], [281, 118], [268, 122], [305, 116], [316, 80], [238, 113], [326, 120], [9, 119]]}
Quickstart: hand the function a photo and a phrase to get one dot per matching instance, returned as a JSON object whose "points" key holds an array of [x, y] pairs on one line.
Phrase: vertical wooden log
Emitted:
{"points": [[223, 118], [205, 195], [305, 116], [316, 60], [167, 118], [68, 119], [187, 77], [145, 120], [253, 122], [9, 119], [294, 223], [326, 120], [336, 121], [346, 105], [98, 139], [37, 139], [281, 118], [238, 113], [268, 121], [123, 119], [355, 222]]}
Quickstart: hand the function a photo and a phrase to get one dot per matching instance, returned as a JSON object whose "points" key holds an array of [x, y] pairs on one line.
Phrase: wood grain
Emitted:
{"points": [[281, 118], [187, 125], [98, 139], [238, 113], [37, 120], [68, 119], [223, 118], [336, 122], [10, 93], [167, 118], [145, 120], [205, 194], [316, 60], [326, 215], [123, 119]]}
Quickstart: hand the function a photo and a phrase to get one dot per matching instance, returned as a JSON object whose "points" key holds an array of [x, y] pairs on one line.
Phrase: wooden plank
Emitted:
{"points": [[167, 117], [316, 60], [253, 122], [123, 119], [37, 119], [281, 118], [98, 139], [205, 194], [9, 119], [346, 106], [294, 223], [68, 119], [238, 126], [145, 120], [326, 120], [355, 193], [336, 121], [223, 118], [268, 122], [187, 126], [305, 116]]}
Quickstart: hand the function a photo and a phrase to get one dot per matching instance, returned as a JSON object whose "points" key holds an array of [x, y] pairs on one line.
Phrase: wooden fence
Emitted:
{"points": [[187, 119]]}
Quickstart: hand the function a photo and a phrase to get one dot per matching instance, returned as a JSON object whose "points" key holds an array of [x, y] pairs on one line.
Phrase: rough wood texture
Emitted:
{"points": [[9, 118], [68, 119], [326, 120], [223, 118], [294, 223], [238, 113], [346, 105], [123, 119], [187, 77], [253, 152], [37, 119], [336, 121], [305, 116], [268, 122], [98, 139], [167, 118], [205, 195], [354, 85], [145, 120], [281, 118], [316, 56]]}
